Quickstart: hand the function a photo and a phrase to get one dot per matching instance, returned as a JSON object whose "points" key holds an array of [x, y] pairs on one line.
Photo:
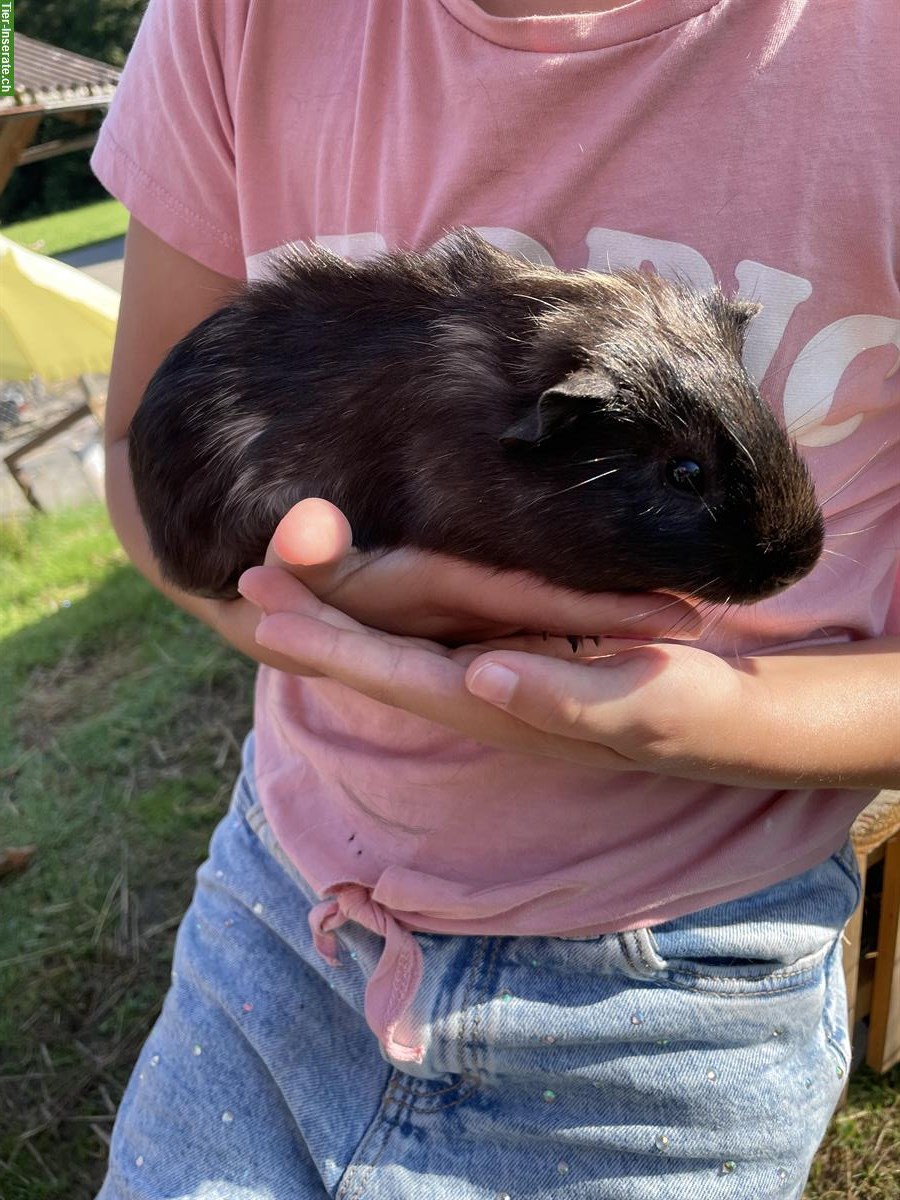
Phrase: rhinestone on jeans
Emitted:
{"points": [[549, 1038], [711, 1075], [840, 1072], [562, 1167], [503, 1196], [227, 1117], [139, 1161], [727, 1167], [154, 1061], [637, 1018], [549, 1095], [777, 1032], [782, 1175], [506, 997], [247, 1006], [259, 908], [662, 1142], [197, 1051]]}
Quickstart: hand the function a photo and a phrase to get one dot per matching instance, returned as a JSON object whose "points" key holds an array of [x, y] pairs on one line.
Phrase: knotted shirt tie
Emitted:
{"points": [[395, 980]]}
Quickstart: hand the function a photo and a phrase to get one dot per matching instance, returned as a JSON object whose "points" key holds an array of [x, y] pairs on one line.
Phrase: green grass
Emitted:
{"points": [[59, 232], [119, 736]]}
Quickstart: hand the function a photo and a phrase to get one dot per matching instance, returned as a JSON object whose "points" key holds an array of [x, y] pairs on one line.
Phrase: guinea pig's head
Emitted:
{"points": [[665, 455]]}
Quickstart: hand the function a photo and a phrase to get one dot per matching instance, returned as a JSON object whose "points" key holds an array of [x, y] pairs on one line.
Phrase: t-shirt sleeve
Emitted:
{"points": [[167, 147]]}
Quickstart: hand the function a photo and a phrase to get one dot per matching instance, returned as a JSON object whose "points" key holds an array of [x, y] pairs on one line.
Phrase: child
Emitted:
{"points": [[483, 923]]}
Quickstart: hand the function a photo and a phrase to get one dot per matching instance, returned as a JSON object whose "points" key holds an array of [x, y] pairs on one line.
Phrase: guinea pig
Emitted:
{"points": [[598, 431]]}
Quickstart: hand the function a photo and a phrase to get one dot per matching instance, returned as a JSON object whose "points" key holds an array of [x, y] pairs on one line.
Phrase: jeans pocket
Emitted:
{"points": [[772, 941]]}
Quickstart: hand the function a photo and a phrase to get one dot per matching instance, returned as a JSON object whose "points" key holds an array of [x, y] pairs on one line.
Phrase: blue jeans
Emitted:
{"points": [[702, 1058]]}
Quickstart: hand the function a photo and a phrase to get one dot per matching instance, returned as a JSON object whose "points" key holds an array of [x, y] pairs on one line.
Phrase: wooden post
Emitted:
{"points": [[16, 134], [884, 1023]]}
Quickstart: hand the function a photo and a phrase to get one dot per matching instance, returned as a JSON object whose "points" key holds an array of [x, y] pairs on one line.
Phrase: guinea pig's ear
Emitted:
{"points": [[559, 406], [733, 317]]}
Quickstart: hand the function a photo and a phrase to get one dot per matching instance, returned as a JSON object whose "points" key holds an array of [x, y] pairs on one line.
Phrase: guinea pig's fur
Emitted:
{"points": [[598, 431]]}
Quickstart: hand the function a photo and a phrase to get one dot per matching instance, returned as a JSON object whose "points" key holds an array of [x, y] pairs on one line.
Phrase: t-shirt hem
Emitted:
{"points": [[162, 213]]}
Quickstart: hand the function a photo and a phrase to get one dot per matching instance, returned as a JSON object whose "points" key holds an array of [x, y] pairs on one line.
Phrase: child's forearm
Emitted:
{"points": [[828, 716], [821, 717]]}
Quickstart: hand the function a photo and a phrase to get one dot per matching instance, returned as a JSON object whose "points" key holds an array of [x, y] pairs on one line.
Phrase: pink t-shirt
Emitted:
{"points": [[746, 141]]}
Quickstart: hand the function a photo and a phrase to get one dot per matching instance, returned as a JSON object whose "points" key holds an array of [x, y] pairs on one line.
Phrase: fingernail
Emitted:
{"points": [[263, 634], [493, 683]]}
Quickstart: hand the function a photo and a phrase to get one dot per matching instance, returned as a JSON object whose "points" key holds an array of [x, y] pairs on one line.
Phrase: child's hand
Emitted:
{"points": [[636, 691], [823, 717], [433, 596]]}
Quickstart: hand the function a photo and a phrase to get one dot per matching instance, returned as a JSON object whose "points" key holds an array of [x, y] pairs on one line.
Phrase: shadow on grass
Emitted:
{"points": [[118, 747]]}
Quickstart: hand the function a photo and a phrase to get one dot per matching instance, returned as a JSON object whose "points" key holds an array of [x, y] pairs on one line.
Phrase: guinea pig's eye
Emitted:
{"points": [[685, 474]]}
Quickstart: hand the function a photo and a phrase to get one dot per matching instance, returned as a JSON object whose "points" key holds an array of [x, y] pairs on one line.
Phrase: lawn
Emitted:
{"points": [[59, 232], [119, 740]]}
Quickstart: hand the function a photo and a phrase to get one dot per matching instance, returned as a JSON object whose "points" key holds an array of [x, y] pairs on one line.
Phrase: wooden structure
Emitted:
{"points": [[50, 81], [872, 946], [94, 405]]}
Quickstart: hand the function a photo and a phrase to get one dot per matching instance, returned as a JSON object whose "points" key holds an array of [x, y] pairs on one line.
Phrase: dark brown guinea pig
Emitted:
{"points": [[596, 430]]}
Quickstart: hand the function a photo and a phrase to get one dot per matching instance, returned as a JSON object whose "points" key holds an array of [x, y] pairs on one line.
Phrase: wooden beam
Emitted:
{"points": [[15, 137], [57, 146], [79, 116], [33, 443]]}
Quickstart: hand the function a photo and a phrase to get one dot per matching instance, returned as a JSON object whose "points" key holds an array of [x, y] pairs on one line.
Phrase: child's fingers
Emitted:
{"points": [[570, 649], [398, 672], [314, 542], [386, 668], [313, 533], [274, 589], [595, 701]]}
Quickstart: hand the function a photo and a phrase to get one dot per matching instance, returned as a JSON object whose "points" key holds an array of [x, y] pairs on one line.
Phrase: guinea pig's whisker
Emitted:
{"points": [[807, 352], [682, 623], [853, 533], [651, 612], [860, 507], [855, 475], [537, 300], [744, 448], [588, 462], [653, 510], [718, 618], [836, 554], [703, 502], [572, 487]]}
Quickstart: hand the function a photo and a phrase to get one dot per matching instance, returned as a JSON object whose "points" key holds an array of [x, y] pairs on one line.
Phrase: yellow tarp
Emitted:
{"points": [[55, 321]]}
